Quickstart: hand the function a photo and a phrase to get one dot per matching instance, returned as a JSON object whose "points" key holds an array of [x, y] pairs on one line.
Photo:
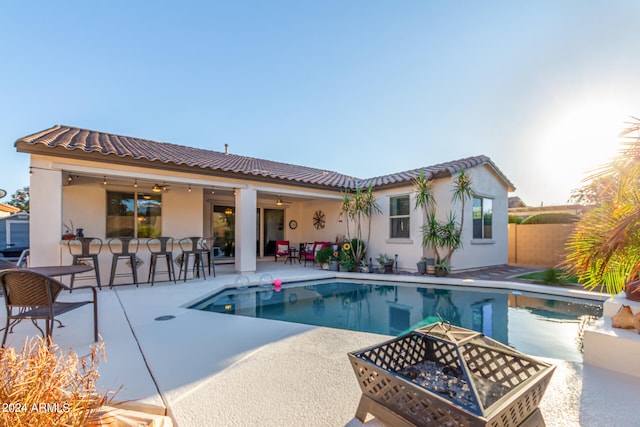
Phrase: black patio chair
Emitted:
{"points": [[31, 295]]}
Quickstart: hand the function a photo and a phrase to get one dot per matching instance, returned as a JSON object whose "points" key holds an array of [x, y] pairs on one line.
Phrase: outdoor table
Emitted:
{"points": [[61, 270], [293, 254]]}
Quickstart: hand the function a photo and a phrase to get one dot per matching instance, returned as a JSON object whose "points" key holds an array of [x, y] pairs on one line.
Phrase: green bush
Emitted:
{"points": [[324, 255], [513, 219], [551, 218]]}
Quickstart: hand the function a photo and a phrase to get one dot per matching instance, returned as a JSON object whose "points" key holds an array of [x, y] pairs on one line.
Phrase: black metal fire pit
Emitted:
{"points": [[443, 375]]}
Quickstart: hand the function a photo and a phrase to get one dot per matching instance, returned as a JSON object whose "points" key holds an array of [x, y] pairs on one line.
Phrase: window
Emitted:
{"points": [[482, 218], [399, 216], [134, 214]]}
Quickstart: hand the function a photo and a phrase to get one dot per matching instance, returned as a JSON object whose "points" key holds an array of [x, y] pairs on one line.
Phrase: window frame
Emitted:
{"points": [[482, 220], [402, 216], [138, 196]]}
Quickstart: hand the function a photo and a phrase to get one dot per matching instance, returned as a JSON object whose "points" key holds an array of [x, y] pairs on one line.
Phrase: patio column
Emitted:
{"points": [[45, 216], [246, 205]]}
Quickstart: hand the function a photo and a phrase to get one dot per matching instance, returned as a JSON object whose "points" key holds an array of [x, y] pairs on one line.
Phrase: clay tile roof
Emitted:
{"points": [[114, 147], [439, 171], [8, 208]]}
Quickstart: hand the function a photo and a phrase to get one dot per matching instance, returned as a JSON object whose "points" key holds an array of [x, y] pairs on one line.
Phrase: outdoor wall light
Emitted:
{"points": [[189, 188], [135, 183], [104, 180]]}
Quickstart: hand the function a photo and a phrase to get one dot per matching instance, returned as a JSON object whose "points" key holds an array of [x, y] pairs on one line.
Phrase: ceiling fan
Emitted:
{"points": [[281, 202], [159, 188]]}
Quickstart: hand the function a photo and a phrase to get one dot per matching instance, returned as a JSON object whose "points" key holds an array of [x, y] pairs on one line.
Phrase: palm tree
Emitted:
{"points": [[604, 249]]}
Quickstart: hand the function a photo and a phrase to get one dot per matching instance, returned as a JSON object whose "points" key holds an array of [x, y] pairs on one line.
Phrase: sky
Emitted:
{"points": [[365, 88]]}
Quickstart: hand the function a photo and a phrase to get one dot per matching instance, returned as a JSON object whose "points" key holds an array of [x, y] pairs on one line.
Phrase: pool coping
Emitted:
{"points": [[213, 369]]}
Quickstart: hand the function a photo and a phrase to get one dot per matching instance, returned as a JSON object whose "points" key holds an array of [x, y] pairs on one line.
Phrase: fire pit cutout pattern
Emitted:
{"points": [[447, 375]]}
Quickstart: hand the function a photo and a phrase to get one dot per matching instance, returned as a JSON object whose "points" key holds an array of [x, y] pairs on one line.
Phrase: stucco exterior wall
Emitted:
{"points": [[474, 253]]}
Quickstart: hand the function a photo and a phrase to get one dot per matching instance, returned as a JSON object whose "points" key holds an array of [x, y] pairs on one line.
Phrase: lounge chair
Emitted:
{"points": [[282, 249], [31, 295]]}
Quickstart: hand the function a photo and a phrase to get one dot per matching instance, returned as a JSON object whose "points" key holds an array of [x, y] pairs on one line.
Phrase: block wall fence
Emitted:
{"points": [[538, 245]]}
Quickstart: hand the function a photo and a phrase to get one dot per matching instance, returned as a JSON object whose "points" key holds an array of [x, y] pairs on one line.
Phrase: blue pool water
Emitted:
{"points": [[536, 324]]}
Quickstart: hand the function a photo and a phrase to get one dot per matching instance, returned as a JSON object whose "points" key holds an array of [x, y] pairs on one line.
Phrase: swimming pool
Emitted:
{"points": [[536, 324]]}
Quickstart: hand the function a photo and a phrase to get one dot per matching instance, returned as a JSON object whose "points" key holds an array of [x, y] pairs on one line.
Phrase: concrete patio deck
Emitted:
{"points": [[209, 369]]}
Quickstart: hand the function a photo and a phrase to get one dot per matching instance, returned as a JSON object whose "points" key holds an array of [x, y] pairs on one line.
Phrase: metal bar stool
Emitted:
{"points": [[191, 246], [86, 254], [165, 250], [208, 246], [128, 250]]}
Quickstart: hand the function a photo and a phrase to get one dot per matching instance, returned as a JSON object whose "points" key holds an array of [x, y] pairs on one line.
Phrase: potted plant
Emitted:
{"points": [[386, 263], [431, 265], [323, 257], [422, 265], [364, 266], [442, 269]]}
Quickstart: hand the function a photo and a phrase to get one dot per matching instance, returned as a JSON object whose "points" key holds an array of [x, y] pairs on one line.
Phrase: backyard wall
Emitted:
{"points": [[538, 244]]}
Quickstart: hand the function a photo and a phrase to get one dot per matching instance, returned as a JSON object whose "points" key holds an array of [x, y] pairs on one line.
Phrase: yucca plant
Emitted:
{"points": [[604, 249], [43, 386]]}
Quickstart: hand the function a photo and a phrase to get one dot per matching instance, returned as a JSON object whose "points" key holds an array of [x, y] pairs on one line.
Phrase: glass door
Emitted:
{"points": [[273, 230], [224, 231]]}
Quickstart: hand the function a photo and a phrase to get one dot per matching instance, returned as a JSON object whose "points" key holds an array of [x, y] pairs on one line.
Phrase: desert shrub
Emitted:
{"points": [[551, 218], [513, 219], [43, 386]]}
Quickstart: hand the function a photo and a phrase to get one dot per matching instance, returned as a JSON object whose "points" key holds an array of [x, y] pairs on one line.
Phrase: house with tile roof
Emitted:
{"points": [[111, 185]]}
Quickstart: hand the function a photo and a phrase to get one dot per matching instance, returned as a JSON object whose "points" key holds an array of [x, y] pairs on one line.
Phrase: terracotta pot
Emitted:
{"points": [[441, 272], [633, 290], [623, 319]]}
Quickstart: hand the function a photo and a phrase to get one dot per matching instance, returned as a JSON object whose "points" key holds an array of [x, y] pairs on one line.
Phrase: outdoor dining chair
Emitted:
{"points": [[208, 245], [86, 253], [161, 247], [128, 249], [191, 246], [31, 295]]}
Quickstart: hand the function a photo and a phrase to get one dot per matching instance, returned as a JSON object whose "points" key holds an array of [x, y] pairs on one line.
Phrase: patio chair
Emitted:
{"points": [[20, 263], [311, 251], [164, 249], [308, 253], [86, 253], [208, 245], [6, 264], [282, 249], [128, 250], [191, 246], [31, 295]]}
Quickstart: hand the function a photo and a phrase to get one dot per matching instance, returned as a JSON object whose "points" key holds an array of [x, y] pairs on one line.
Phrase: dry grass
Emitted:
{"points": [[44, 386]]}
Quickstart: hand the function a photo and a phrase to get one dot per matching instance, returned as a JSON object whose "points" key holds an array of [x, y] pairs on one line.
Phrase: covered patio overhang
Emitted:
{"points": [[74, 190]]}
